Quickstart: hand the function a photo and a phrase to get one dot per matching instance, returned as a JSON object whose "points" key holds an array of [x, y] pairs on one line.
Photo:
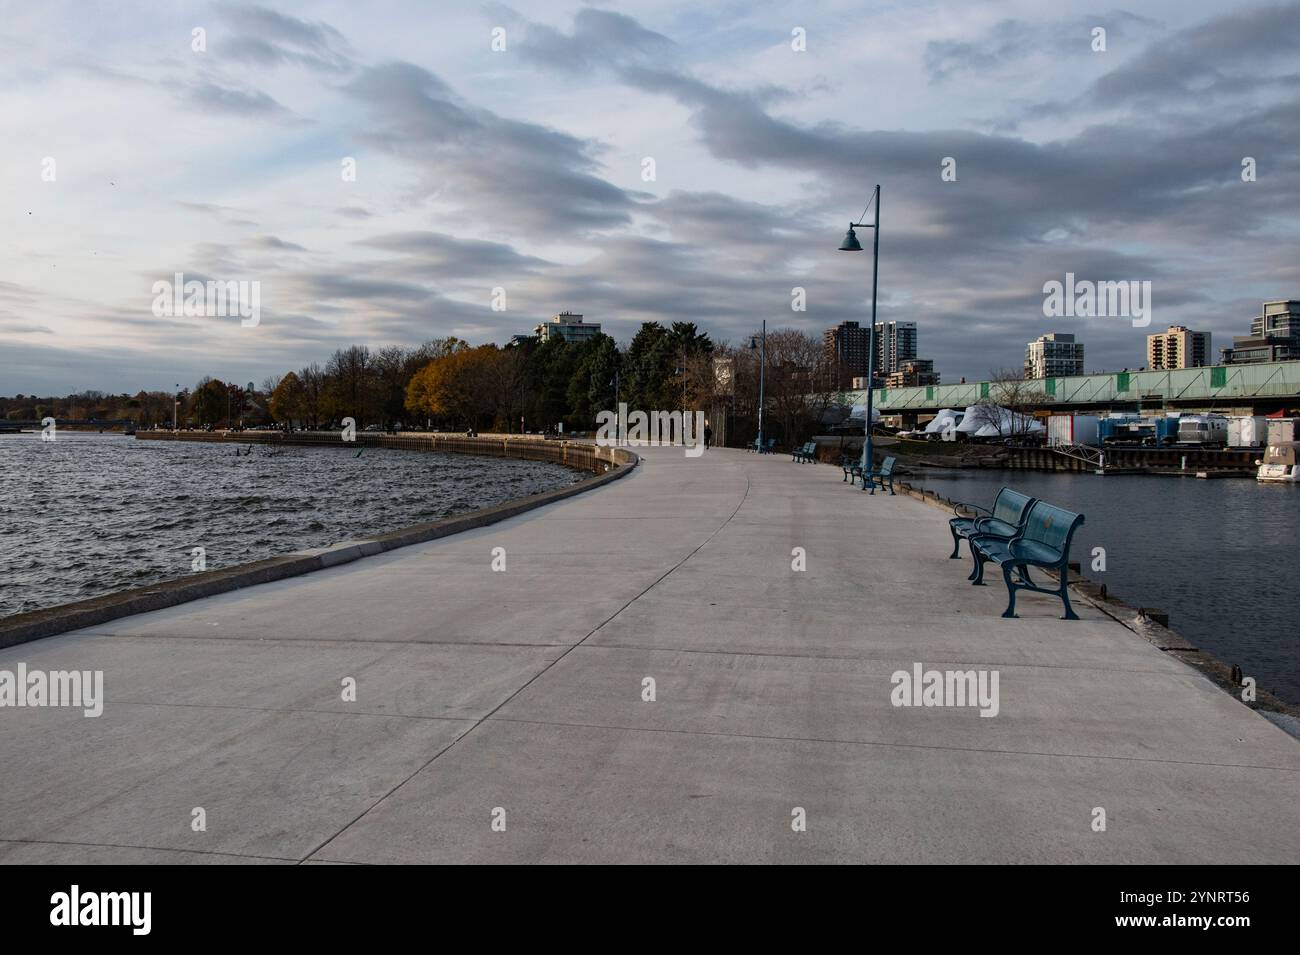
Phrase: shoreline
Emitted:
{"points": [[603, 464]]}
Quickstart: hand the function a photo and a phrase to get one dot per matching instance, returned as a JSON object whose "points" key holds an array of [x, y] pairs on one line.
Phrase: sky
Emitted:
{"points": [[632, 162]]}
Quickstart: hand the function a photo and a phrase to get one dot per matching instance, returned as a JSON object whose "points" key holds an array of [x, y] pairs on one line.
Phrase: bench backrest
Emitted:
{"points": [[1051, 526], [771, 442], [887, 468], [1011, 506]]}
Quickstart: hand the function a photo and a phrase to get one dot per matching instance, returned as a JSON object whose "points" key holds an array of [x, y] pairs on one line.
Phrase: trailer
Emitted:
{"points": [[1073, 429], [1202, 431], [1247, 431], [1281, 430], [1166, 430]]}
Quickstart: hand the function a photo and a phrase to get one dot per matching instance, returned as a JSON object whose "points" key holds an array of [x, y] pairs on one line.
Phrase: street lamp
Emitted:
{"points": [[762, 366], [851, 244]]}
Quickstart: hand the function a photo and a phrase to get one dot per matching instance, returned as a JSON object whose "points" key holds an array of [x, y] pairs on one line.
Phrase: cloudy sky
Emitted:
{"points": [[525, 169]]}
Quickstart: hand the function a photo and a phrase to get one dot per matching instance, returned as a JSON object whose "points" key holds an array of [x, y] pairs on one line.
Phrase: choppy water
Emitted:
{"points": [[1219, 555], [90, 514]]}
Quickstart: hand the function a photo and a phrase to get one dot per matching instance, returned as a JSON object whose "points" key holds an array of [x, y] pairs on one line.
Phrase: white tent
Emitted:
{"points": [[992, 421], [946, 418], [859, 413]]}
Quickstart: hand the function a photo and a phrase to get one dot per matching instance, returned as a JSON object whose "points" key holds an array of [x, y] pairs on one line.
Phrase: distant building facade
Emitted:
{"points": [[895, 344], [1055, 355], [846, 350], [569, 326], [1179, 347], [913, 373], [1274, 336]]}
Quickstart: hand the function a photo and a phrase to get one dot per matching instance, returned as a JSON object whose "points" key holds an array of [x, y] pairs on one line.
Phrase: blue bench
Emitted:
{"points": [[1005, 520], [852, 465], [1043, 541], [806, 452], [884, 474]]}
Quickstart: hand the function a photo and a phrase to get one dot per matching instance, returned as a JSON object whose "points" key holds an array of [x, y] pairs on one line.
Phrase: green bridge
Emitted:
{"points": [[1254, 388]]}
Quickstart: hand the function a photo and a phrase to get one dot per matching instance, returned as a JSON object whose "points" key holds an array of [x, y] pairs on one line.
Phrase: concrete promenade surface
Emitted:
{"points": [[522, 690]]}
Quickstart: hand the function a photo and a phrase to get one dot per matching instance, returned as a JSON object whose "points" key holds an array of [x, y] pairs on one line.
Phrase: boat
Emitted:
{"points": [[1279, 463]]}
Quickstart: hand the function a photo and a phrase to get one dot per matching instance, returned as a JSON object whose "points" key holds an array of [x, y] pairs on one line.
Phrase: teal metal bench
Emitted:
{"points": [[852, 465], [1044, 541], [884, 474], [806, 452], [1005, 520]]}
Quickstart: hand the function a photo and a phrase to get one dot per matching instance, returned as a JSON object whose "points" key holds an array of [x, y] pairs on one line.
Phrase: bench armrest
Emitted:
{"points": [[962, 505]]}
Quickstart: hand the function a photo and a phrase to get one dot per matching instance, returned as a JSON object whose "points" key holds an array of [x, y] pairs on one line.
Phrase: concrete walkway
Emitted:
{"points": [[522, 690]]}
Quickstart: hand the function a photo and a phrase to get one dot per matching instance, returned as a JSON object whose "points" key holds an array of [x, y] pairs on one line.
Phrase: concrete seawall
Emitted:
{"points": [[582, 455], [605, 464], [676, 667]]}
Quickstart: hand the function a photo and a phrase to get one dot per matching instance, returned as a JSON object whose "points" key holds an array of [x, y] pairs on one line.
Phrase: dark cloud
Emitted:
{"points": [[1011, 41], [274, 243], [505, 171], [215, 98], [598, 38], [436, 253], [263, 37], [1229, 55]]}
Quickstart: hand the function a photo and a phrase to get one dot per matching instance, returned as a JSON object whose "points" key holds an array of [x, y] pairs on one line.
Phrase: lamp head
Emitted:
{"points": [[850, 243]]}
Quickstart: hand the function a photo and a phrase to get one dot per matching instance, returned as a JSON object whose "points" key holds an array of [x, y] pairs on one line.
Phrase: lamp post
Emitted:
{"points": [[851, 244], [762, 368]]}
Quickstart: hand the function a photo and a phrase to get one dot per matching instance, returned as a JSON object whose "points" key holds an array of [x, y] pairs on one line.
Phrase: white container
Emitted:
{"points": [[1247, 431], [1072, 429], [1281, 430]]}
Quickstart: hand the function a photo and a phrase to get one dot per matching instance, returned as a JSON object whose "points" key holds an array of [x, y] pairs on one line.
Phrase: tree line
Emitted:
{"points": [[527, 385]]}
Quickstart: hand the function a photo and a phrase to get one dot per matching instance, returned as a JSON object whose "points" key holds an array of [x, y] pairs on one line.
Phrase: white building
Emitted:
{"points": [[1055, 355], [568, 326]]}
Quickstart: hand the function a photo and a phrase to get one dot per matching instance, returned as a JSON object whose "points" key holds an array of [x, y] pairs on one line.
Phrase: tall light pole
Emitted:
{"points": [[762, 368], [851, 244]]}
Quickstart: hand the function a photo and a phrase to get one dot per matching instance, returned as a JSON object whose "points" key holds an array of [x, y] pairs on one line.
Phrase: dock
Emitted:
{"points": [[646, 678]]}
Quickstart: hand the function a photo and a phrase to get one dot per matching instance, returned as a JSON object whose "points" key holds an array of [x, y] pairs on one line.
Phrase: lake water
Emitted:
{"points": [[89, 514], [1221, 556]]}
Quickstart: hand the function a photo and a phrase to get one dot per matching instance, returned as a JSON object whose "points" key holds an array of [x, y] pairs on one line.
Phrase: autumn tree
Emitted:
{"points": [[209, 403], [287, 403]]}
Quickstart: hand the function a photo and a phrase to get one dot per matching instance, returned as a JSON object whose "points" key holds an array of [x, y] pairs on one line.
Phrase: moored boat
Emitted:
{"points": [[1279, 463]]}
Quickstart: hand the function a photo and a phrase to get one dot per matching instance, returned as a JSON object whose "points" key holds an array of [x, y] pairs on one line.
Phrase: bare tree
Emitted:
{"points": [[1009, 391]]}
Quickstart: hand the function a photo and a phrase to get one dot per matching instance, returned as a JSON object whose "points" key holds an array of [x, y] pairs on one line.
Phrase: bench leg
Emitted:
{"points": [[1011, 591], [891, 488], [977, 575], [956, 544], [1065, 598]]}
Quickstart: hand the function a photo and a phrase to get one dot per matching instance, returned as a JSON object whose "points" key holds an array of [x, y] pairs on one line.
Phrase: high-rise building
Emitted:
{"points": [[1055, 355], [895, 344], [845, 350], [568, 326], [1179, 347], [1274, 336], [846, 347]]}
